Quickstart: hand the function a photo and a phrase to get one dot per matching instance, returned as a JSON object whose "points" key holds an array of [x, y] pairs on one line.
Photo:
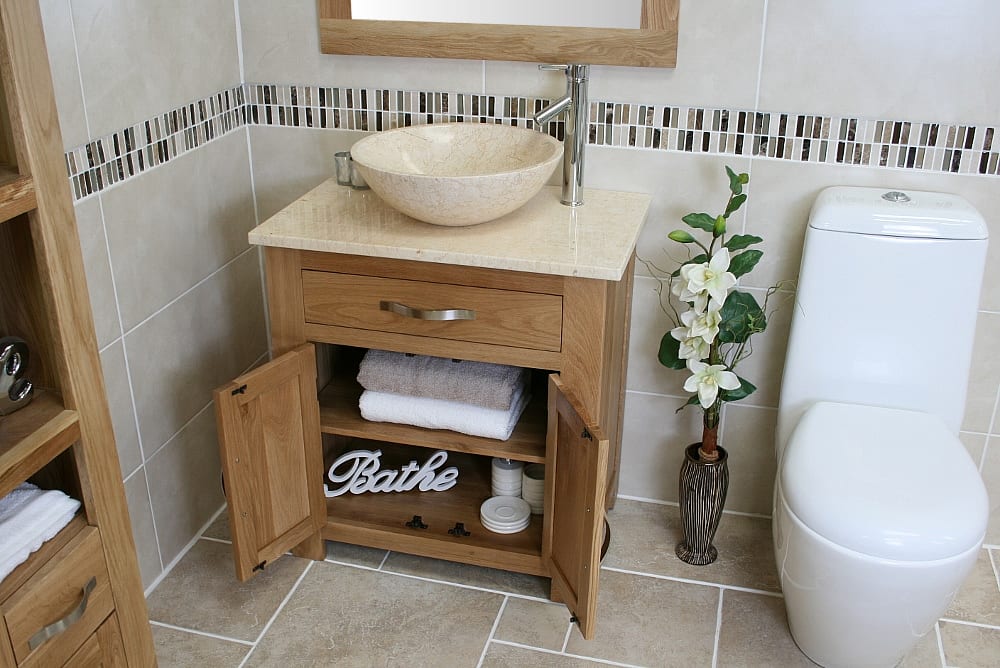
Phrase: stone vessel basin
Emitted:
{"points": [[457, 173]]}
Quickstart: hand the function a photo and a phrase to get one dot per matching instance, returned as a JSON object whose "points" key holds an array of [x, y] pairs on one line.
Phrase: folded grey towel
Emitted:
{"points": [[477, 383]]}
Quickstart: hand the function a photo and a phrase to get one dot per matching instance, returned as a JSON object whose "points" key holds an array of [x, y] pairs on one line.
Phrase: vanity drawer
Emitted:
{"points": [[69, 596], [458, 312]]}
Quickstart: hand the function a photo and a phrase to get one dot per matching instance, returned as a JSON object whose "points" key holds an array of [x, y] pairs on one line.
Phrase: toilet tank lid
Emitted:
{"points": [[896, 213], [884, 482]]}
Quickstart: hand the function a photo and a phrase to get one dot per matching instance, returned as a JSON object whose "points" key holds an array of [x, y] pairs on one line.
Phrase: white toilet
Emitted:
{"points": [[879, 512]]}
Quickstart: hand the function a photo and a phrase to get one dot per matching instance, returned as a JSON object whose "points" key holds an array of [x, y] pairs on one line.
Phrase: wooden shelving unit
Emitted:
{"points": [[63, 439]]}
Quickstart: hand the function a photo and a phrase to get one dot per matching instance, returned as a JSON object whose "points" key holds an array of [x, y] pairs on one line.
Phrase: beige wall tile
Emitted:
{"points": [[717, 56], [177, 649], [886, 64], [177, 224], [289, 162], [642, 618], [534, 623], [202, 593], [185, 484], [970, 646], [143, 533], [97, 265], [975, 444], [748, 436], [140, 59], [206, 338], [984, 376], [61, 46], [377, 620], [653, 442], [763, 368], [754, 632], [119, 393], [281, 45], [649, 325]]}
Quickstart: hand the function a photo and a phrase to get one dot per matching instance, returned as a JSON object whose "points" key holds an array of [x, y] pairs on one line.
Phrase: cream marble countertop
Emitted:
{"points": [[595, 240]]}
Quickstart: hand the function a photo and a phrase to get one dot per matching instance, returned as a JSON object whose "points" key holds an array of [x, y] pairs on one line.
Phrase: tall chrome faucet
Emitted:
{"points": [[574, 104]]}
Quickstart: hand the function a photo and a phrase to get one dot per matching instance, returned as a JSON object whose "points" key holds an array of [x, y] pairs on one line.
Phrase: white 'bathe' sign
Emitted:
{"points": [[359, 471]]}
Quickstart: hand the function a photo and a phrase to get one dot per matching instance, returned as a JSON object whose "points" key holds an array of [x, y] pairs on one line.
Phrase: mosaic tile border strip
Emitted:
{"points": [[103, 162], [848, 140]]}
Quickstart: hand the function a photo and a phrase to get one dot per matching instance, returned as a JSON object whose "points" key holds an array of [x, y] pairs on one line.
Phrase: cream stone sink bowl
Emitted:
{"points": [[457, 173]]}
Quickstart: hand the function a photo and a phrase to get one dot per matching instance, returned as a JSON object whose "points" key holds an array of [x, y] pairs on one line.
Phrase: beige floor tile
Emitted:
{"points": [[219, 528], [507, 656], [643, 536], [969, 646], [343, 616], [177, 649], [358, 555], [202, 593], [979, 598], [754, 632], [542, 625], [474, 576], [926, 654], [651, 622]]}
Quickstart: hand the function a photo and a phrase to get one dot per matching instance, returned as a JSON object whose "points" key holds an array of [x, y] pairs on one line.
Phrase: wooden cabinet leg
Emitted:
{"points": [[554, 594], [313, 547]]}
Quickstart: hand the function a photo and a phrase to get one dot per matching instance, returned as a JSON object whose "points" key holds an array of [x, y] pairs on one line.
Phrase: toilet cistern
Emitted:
{"points": [[575, 106]]}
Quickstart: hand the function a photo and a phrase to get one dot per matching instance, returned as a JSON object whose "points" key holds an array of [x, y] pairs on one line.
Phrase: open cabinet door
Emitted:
{"points": [[576, 465], [269, 437]]}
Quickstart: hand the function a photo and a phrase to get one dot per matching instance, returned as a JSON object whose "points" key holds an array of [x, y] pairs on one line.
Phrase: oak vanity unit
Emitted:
{"points": [[550, 288]]}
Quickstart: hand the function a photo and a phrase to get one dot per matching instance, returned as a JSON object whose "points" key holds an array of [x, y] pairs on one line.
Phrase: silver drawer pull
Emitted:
{"points": [[57, 627], [427, 314]]}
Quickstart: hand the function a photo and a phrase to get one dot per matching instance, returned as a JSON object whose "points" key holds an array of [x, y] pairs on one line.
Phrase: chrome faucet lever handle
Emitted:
{"points": [[554, 68]]}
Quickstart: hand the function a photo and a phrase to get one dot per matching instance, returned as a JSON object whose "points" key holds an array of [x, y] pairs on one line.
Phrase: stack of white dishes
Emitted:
{"points": [[533, 487], [506, 477], [505, 514]]}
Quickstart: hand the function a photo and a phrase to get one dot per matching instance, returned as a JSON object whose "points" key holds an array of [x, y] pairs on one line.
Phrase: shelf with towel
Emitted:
{"points": [[17, 193], [32, 437]]}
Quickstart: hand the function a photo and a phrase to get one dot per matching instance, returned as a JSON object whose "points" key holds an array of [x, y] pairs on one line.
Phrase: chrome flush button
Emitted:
{"points": [[895, 196]]}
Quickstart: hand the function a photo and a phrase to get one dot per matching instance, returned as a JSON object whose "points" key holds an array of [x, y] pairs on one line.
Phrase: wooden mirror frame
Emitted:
{"points": [[654, 44]]}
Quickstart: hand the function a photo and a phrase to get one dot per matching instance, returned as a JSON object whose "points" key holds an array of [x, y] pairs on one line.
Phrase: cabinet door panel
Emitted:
{"points": [[268, 422], [576, 465]]}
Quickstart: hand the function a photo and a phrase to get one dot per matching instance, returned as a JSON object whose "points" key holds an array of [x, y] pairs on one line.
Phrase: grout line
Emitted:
{"points": [[979, 625], [281, 606], [940, 643], [205, 634], [211, 539], [187, 548], [661, 395], [178, 432], [542, 650], [671, 578], [493, 630], [718, 630], [760, 56], [567, 635], [993, 563], [461, 585], [660, 502], [384, 559]]}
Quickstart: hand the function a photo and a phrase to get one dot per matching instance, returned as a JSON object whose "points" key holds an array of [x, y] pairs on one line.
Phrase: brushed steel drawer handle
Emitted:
{"points": [[427, 314], [57, 627]]}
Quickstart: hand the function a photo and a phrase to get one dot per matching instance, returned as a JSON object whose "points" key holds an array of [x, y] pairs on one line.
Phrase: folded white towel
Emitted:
{"points": [[480, 383], [441, 414], [29, 516]]}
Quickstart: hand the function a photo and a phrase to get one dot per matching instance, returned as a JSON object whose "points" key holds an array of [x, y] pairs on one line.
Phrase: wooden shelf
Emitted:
{"points": [[37, 559], [339, 414], [33, 436], [17, 194], [379, 519]]}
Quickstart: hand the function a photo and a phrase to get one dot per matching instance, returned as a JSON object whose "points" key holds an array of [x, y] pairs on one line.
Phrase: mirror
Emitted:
{"points": [[566, 13], [652, 44]]}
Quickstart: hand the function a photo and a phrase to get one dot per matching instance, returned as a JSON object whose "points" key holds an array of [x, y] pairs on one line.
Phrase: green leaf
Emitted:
{"points": [[692, 400], [743, 262], [735, 183], [697, 259], [702, 221], [669, 350], [741, 317], [681, 236], [741, 241], [745, 389], [735, 203]]}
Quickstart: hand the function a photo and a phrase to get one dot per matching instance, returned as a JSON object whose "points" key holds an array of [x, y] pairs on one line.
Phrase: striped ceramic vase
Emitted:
{"points": [[702, 494]]}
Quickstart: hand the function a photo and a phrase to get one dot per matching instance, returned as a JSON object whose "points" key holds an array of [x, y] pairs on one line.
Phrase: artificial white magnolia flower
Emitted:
{"points": [[693, 348], [710, 279], [705, 323], [707, 379]]}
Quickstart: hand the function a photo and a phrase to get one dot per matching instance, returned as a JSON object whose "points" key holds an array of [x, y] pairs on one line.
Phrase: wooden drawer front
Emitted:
{"points": [[103, 649], [502, 317], [57, 592]]}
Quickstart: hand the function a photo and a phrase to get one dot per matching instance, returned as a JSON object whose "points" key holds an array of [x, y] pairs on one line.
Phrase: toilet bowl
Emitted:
{"points": [[879, 517], [879, 511]]}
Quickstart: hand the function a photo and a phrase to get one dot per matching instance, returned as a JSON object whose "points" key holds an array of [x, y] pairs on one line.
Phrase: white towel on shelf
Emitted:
{"points": [[480, 383], [29, 516], [441, 414]]}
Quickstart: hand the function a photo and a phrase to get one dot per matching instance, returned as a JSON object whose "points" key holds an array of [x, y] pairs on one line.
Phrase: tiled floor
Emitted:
{"points": [[364, 607]]}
